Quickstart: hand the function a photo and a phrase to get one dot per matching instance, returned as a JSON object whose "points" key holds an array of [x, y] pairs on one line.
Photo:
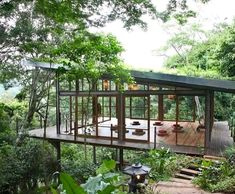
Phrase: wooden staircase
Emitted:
{"points": [[181, 183], [187, 173], [193, 170]]}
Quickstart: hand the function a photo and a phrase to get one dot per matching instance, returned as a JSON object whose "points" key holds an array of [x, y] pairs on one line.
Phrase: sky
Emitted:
{"points": [[140, 45]]}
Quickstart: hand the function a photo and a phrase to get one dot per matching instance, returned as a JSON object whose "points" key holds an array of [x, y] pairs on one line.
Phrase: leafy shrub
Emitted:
{"points": [[216, 176], [106, 181], [164, 163], [209, 175], [24, 165], [81, 170], [226, 185], [230, 155]]}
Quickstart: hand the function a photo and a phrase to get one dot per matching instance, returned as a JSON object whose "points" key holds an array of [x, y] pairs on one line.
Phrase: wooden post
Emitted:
{"points": [[207, 119], [76, 112], [160, 108], [148, 102], [44, 127], [177, 119], [194, 109], [211, 112], [70, 110], [121, 158], [57, 104], [155, 137], [121, 117], [57, 146], [94, 155], [97, 118], [111, 135]]}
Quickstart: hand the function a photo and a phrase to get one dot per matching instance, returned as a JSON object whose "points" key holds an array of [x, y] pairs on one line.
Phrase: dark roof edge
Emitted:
{"points": [[161, 78]]}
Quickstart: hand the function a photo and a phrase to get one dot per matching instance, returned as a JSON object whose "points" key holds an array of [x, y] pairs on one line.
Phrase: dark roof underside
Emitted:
{"points": [[184, 81], [165, 79]]}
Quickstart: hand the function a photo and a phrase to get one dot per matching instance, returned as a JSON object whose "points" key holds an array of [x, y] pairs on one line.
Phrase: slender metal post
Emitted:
{"points": [[177, 119], [111, 135], [57, 104], [70, 110], [148, 102], [155, 137], [94, 155], [207, 119], [160, 107], [58, 155], [121, 158], [44, 127]]}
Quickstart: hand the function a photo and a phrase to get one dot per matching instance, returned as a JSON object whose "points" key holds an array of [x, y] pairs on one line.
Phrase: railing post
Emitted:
{"points": [[44, 128], [111, 135], [155, 137]]}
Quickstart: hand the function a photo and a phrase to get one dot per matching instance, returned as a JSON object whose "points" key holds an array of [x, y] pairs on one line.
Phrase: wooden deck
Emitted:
{"points": [[189, 142]]}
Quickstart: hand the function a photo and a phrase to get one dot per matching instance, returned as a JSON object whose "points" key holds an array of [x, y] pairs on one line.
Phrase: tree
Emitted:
{"points": [[30, 29], [212, 58]]}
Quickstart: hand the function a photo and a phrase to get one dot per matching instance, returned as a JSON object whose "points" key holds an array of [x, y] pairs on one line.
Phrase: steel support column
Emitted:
{"points": [[58, 115], [207, 119]]}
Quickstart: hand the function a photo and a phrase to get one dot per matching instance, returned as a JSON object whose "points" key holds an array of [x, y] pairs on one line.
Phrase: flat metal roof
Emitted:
{"points": [[162, 78], [184, 81]]}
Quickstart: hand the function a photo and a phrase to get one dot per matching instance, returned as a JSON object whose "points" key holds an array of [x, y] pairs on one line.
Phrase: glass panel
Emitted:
{"points": [[139, 107], [153, 107], [186, 108], [169, 107]]}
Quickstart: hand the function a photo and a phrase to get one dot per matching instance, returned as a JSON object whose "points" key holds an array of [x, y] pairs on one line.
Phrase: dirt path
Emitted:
{"points": [[178, 186]]}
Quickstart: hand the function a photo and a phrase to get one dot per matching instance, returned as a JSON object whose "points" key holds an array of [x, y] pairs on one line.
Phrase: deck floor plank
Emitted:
{"points": [[189, 142]]}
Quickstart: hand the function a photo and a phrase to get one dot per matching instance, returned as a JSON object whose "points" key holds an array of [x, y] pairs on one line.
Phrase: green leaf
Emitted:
{"points": [[95, 184], [109, 189], [70, 185], [106, 166], [54, 191]]}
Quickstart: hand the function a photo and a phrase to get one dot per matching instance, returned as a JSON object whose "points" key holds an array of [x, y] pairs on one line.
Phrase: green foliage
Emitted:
{"points": [[10, 113], [163, 163], [217, 176], [213, 57], [223, 105], [105, 182], [23, 165], [230, 155], [74, 163], [106, 166], [91, 56], [226, 185], [70, 185]]}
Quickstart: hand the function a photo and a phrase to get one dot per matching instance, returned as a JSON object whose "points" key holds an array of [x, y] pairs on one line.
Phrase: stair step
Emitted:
{"points": [[194, 167], [174, 184], [183, 176], [189, 171], [213, 157], [178, 180]]}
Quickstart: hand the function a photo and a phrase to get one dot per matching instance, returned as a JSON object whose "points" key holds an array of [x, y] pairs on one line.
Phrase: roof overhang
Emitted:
{"points": [[161, 78]]}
